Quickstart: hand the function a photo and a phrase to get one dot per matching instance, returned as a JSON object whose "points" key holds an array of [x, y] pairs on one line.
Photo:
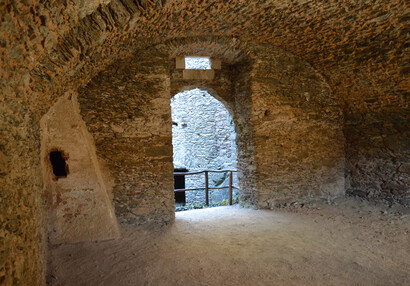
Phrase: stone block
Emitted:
{"points": [[199, 74], [216, 64], [180, 62]]}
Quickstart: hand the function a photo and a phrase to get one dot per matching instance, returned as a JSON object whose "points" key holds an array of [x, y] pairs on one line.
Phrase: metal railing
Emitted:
{"points": [[207, 188]]}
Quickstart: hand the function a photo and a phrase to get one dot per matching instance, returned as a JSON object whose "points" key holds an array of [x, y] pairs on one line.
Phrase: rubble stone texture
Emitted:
{"points": [[297, 131], [127, 110], [324, 81]]}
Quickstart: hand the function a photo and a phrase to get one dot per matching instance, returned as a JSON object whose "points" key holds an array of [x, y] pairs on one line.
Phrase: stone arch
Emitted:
{"points": [[210, 90], [118, 106], [204, 137], [274, 89], [153, 72], [231, 87]]}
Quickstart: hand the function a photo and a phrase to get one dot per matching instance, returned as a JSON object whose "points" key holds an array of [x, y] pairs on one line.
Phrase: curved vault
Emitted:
{"points": [[50, 47], [330, 35]]}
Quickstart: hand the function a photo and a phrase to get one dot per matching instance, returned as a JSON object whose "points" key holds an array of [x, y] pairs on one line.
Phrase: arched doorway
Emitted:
{"points": [[203, 138]]}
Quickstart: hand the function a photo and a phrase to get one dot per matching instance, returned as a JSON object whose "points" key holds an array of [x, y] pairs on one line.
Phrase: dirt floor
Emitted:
{"points": [[346, 242]]}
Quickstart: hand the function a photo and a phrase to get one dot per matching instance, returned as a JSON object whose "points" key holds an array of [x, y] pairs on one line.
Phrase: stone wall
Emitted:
{"points": [[378, 152], [22, 224], [290, 127], [245, 144], [127, 110], [79, 205], [47, 48], [298, 131], [203, 137]]}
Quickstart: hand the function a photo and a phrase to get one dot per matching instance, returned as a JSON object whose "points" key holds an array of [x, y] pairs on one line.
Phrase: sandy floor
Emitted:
{"points": [[350, 243]]}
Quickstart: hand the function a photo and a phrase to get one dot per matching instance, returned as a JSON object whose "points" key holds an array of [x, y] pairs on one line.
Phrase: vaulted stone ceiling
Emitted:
{"points": [[50, 46], [361, 47]]}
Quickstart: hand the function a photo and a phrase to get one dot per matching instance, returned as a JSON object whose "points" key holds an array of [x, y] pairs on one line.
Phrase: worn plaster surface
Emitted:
{"points": [[79, 205]]}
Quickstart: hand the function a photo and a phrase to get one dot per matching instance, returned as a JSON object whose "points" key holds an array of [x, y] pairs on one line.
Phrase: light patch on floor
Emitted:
{"points": [[351, 243]]}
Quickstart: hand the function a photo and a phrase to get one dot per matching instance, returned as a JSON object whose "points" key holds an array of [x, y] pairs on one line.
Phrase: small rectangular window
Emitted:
{"points": [[197, 63], [58, 162]]}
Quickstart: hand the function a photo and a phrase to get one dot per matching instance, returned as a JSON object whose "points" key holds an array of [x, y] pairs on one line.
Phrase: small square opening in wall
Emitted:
{"points": [[58, 162], [197, 63]]}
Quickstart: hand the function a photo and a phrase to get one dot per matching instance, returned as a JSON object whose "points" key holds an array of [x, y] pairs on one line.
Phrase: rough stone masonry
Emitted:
{"points": [[319, 92]]}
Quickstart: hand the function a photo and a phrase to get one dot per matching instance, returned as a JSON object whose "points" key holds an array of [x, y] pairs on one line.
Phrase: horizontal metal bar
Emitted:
{"points": [[200, 172], [185, 190], [225, 187], [199, 189], [188, 173]]}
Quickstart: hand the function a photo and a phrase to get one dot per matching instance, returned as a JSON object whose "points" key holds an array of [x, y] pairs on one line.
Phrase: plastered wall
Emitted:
{"points": [[79, 205]]}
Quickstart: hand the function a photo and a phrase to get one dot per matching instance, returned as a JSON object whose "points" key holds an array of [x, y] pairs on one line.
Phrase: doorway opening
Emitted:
{"points": [[203, 138]]}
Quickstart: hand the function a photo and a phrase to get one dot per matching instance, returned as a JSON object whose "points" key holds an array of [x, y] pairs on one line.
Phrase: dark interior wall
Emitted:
{"points": [[22, 223], [378, 151], [127, 110]]}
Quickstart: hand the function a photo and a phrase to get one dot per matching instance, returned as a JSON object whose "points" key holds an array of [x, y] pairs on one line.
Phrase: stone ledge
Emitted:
{"points": [[198, 74]]}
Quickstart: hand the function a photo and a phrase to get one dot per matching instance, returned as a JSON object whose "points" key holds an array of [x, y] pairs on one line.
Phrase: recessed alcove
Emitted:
{"points": [[58, 163], [78, 201]]}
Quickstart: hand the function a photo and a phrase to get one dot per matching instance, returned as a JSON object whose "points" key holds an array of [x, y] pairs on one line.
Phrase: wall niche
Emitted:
{"points": [[79, 203]]}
